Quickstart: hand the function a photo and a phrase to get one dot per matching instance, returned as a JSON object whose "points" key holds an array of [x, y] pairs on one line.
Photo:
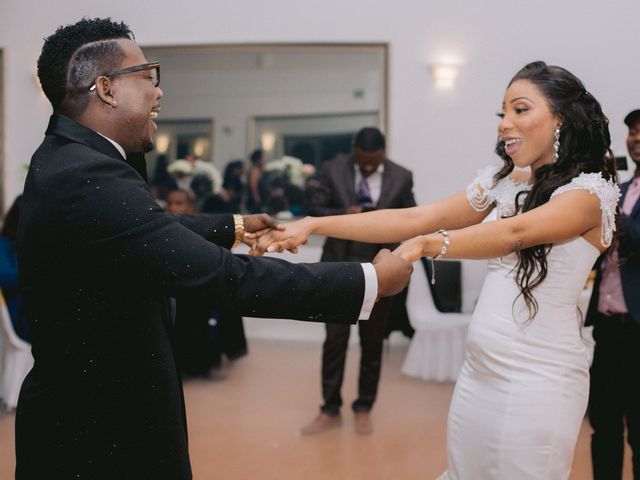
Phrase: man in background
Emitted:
{"points": [[614, 311], [363, 181]]}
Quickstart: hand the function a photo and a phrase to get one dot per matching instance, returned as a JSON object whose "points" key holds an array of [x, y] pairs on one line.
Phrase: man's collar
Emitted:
{"points": [[67, 128], [379, 170], [115, 144]]}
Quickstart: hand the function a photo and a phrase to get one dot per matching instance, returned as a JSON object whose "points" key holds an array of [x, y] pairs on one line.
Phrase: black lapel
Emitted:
{"points": [[623, 193], [624, 190], [349, 181], [387, 179], [138, 162], [65, 127]]}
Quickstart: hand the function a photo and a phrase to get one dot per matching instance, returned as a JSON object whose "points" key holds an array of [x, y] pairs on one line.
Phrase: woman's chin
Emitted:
{"points": [[520, 162]]}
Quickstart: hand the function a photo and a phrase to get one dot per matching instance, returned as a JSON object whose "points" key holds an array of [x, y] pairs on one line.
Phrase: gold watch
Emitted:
{"points": [[238, 229]]}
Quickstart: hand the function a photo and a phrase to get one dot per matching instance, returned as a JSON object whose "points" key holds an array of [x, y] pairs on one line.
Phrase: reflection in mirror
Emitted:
{"points": [[181, 148], [313, 139], [302, 101]]}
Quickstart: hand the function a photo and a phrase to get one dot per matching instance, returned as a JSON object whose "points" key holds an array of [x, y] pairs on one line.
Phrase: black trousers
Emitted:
{"points": [[615, 395], [334, 352]]}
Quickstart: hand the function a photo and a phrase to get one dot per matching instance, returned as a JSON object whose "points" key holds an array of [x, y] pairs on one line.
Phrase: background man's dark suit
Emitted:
{"points": [[615, 375], [333, 196], [98, 258]]}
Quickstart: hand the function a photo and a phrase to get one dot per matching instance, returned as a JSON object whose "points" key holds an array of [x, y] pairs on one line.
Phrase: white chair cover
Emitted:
{"points": [[437, 350], [16, 359]]}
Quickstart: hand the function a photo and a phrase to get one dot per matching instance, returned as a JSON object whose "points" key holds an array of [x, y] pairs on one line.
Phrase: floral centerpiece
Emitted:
{"points": [[184, 169], [292, 169]]}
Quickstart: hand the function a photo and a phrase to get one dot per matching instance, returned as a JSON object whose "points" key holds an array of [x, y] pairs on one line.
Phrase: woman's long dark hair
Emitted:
{"points": [[584, 147]]}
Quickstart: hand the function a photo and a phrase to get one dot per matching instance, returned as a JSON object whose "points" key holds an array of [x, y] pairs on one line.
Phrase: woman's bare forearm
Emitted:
{"points": [[547, 224], [379, 226], [395, 225]]}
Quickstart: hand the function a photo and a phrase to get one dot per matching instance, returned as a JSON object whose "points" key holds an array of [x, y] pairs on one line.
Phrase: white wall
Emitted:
{"points": [[442, 136]]}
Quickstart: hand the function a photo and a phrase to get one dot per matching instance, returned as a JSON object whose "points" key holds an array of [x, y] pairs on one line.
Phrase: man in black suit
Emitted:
{"points": [[99, 258], [363, 181], [614, 311]]}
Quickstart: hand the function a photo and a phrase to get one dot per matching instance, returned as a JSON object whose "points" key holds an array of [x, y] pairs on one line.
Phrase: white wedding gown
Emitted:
{"points": [[522, 392]]}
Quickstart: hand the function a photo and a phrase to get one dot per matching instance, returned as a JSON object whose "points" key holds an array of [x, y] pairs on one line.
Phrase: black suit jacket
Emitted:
{"points": [[98, 259], [337, 192], [629, 253]]}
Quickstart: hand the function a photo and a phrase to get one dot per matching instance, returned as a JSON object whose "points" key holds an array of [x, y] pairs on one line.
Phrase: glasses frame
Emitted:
{"points": [[134, 68]]}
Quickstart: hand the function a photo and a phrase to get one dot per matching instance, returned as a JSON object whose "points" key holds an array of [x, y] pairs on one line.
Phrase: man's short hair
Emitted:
{"points": [[369, 139], [632, 117], [75, 55]]}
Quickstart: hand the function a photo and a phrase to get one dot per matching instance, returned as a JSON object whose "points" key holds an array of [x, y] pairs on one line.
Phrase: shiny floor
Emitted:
{"points": [[243, 422]]}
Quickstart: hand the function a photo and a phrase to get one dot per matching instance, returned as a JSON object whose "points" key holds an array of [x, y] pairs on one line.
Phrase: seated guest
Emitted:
{"points": [[161, 181], [229, 198], [257, 183], [9, 271], [202, 334], [181, 202], [232, 185], [202, 187]]}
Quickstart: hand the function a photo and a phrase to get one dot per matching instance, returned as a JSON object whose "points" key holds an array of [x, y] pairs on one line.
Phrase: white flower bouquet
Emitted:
{"points": [[292, 168], [184, 170]]}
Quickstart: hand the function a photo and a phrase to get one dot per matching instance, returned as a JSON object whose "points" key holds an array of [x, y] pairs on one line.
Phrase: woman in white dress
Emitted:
{"points": [[522, 393]]}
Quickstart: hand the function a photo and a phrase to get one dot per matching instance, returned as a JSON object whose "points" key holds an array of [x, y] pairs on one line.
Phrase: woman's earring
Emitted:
{"points": [[556, 145]]}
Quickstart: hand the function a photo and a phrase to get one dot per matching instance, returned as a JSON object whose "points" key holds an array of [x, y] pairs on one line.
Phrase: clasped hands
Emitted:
{"points": [[290, 236], [393, 270]]}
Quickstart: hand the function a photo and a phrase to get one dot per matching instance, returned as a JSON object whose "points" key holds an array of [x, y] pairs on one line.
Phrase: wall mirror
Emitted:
{"points": [[305, 101]]}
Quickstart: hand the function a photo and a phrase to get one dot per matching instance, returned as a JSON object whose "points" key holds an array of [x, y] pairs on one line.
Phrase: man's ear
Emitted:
{"points": [[104, 91]]}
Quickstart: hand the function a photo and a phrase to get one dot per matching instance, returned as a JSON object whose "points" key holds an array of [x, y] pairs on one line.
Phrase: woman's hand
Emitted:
{"points": [[287, 237], [412, 249], [260, 222]]}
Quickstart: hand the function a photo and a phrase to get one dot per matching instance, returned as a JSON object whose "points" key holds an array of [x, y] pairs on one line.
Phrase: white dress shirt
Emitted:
{"points": [[374, 180]]}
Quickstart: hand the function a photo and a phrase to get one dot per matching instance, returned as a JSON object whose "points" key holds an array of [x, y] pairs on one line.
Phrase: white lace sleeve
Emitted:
{"points": [[608, 193], [479, 191]]}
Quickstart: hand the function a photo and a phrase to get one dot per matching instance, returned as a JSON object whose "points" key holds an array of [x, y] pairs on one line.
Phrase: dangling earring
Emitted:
{"points": [[556, 145]]}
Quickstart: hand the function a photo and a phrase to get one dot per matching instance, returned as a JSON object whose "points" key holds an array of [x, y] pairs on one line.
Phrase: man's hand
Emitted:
{"points": [[255, 224], [259, 221], [286, 237], [393, 273]]}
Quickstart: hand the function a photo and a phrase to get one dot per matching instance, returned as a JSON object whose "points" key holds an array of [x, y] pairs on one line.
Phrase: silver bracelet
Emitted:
{"points": [[443, 250]]}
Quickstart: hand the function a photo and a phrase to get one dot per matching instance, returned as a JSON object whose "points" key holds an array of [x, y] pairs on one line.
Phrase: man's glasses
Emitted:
{"points": [[153, 67]]}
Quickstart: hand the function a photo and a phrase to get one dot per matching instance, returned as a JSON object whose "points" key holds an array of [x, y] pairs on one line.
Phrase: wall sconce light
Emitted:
{"points": [[200, 147], [267, 141], [162, 143], [444, 74]]}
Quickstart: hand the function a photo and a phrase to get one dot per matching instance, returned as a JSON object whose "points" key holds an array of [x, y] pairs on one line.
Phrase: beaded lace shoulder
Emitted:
{"points": [[607, 192], [482, 193]]}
